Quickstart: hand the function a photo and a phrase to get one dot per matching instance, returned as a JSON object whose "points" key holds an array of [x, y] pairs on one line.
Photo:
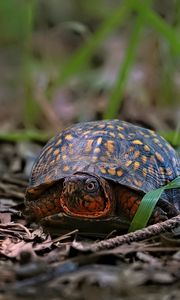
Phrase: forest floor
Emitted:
{"points": [[36, 264]]}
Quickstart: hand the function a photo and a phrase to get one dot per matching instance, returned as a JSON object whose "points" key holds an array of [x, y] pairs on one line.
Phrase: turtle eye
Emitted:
{"points": [[91, 185]]}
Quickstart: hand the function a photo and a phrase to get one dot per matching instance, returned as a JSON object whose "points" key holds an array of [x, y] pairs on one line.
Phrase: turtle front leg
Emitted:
{"points": [[45, 204]]}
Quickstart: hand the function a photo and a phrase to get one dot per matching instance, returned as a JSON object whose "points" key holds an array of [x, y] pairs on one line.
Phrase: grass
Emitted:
{"points": [[139, 14]]}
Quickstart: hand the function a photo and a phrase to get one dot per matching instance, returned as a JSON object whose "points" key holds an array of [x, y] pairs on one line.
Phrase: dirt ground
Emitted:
{"points": [[37, 265]]}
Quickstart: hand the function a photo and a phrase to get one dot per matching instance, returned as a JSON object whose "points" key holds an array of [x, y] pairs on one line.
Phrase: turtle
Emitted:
{"points": [[92, 176]]}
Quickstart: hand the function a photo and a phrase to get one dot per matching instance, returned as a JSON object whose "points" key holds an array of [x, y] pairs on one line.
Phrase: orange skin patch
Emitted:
{"points": [[91, 205], [128, 201]]}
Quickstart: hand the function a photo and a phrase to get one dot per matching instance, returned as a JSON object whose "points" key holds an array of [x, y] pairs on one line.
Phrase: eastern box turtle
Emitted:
{"points": [[93, 175]]}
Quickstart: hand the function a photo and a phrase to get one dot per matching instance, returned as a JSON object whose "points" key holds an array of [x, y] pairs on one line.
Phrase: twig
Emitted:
{"points": [[18, 226], [138, 235]]}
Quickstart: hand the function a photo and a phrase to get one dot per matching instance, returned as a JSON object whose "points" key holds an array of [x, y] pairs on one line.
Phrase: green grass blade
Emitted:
{"points": [[148, 204], [82, 56], [25, 135], [117, 93], [152, 18]]}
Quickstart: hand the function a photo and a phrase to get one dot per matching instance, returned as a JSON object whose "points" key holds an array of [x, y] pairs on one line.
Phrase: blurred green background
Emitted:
{"points": [[72, 60]]}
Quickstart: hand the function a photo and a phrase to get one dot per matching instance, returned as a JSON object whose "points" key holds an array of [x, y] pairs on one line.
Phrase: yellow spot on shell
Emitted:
{"points": [[88, 145], [94, 158], [136, 165], [156, 140], [110, 126], [146, 148], [64, 157], [128, 163], [66, 168], [56, 152], [103, 170], [144, 170], [101, 126], [119, 173], [49, 151], [110, 146], [99, 141], [58, 157], [121, 135], [97, 150], [112, 134], [63, 148], [69, 137], [137, 142], [138, 182], [131, 149], [159, 156], [120, 128], [112, 171], [150, 170], [152, 132], [141, 132], [162, 171], [169, 171], [136, 154], [144, 159], [86, 132], [59, 141]]}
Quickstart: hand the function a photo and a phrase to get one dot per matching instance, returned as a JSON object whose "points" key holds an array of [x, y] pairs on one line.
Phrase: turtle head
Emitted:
{"points": [[86, 195]]}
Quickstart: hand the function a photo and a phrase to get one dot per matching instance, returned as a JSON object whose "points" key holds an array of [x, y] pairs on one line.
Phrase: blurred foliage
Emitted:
{"points": [[20, 20]]}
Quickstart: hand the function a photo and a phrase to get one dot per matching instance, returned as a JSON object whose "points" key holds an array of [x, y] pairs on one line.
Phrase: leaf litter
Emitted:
{"points": [[37, 264]]}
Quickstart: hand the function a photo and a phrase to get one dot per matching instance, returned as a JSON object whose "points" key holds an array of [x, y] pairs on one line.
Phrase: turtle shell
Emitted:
{"points": [[116, 150]]}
